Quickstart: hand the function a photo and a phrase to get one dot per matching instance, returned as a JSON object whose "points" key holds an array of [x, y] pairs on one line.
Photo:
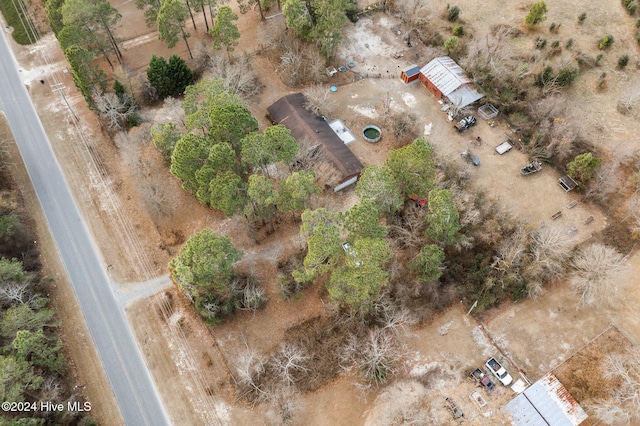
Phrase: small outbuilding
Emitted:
{"points": [[290, 112], [545, 403], [446, 79], [410, 74]]}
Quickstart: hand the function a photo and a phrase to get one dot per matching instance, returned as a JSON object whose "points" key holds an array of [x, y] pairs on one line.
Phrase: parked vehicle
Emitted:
{"points": [[470, 157], [499, 371], [465, 123], [503, 148], [533, 167], [483, 379]]}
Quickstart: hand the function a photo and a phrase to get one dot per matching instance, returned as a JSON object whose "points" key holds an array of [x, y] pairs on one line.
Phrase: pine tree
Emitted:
{"points": [[169, 78], [180, 73]]}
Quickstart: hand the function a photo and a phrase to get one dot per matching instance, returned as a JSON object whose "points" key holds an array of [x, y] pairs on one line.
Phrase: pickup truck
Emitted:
{"points": [[499, 371], [465, 123], [483, 379]]}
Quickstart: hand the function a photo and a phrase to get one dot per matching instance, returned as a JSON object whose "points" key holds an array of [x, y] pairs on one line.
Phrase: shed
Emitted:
{"points": [[445, 78], [410, 74], [545, 403], [290, 112]]}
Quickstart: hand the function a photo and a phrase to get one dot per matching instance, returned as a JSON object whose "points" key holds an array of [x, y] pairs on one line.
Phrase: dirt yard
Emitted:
{"points": [[192, 363]]}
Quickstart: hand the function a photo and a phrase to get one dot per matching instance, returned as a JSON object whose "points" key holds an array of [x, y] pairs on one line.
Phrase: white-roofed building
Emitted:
{"points": [[445, 78], [545, 403], [342, 131]]}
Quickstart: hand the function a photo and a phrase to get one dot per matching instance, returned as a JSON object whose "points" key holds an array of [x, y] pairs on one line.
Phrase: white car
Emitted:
{"points": [[499, 371]]}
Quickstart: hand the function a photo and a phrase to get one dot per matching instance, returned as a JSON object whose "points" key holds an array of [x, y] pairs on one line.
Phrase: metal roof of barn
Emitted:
{"points": [[545, 403], [465, 95], [445, 74]]}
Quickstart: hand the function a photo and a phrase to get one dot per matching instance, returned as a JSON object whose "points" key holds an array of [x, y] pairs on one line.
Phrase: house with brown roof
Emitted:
{"points": [[304, 125]]}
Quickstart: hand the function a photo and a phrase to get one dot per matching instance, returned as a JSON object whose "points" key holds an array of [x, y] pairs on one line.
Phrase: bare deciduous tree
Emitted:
{"points": [[129, 80], [51, 388], [319, 100], [115, 109], [630, 99], [413, 12], [375, 355], [253, 297], [408, 230], [288, 360], [633, 207], [250, 366], [393, 318], [285, 403], [549, 108], [596, 269], [239, 76], [491, 53], [624, 406], [403, 124], [14, 292], [610, 413], [510, 254], [299, 62], [605, 183], [549, 250]]}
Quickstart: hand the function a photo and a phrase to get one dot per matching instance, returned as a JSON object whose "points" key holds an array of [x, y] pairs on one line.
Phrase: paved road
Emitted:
{"points": [[135, 392]]}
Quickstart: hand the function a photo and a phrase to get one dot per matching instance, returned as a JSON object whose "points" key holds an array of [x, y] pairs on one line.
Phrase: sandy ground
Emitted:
{"points": [[191, 363]]}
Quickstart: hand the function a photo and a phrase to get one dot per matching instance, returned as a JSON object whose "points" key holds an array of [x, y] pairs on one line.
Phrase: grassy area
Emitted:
{"points": [[17, 20]]}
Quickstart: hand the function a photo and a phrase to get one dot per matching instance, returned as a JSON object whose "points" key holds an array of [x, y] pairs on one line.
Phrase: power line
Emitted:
{"points": [[141, 261]]}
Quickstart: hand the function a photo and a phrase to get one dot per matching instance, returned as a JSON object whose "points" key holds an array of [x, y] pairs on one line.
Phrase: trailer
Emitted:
{"points": [[457, 413], [567, 183], [503, 148]]}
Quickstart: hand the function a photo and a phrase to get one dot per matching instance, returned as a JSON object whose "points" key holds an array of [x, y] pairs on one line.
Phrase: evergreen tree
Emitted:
{"points": [[165, 136], [88, 77], [171, 16], [537, 13], [321, 21], [181, 74], [151, 9], [204, 269], [169, 78], [224, 31]]}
